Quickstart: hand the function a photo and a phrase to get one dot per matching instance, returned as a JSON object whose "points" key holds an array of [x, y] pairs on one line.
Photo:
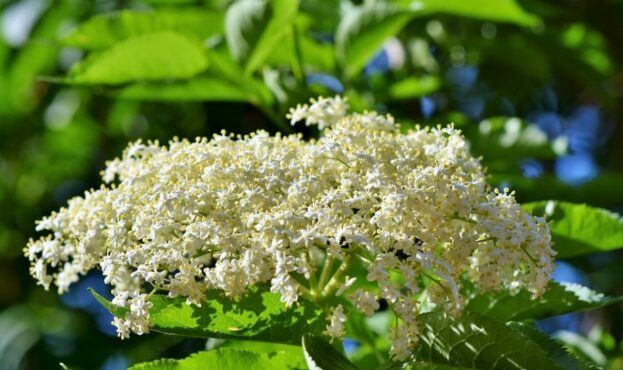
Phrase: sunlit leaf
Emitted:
{"points": [[254, 27], [201, 88], [420, 366], [560, 298], [18, 91], [363, 29], [578, 229], [230, 359], [105, 30], [259, 315], [155, 56], [488, 10], [414, 87]]}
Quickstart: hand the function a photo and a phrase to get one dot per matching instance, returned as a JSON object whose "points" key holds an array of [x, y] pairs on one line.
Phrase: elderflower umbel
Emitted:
{"points": [[231, 213]]}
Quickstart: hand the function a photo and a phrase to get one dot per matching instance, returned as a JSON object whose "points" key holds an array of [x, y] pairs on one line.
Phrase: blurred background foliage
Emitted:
{"points": [[536, 86]]}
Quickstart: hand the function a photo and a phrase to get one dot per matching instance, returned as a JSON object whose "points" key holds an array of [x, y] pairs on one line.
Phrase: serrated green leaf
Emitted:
{"points": [[363, 30], [478, 342], [554, 348], [254, 27], [320, 355], [230, 359], [582, 347], [105, 30], [150, 57], [578, 229], [259, 315], [560, 298]]}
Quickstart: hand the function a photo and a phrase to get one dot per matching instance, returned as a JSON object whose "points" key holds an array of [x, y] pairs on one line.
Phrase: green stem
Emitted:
{"points": [[434, 279], [297, 65], [335, 279], [529, 255], [464, 220], [313, 283], [324, 275]]}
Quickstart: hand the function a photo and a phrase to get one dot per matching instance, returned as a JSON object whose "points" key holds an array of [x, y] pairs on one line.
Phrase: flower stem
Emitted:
{"points": [[326, 269], [332, 285]]}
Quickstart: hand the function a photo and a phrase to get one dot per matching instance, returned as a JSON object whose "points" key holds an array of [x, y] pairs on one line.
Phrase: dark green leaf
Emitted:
{"points": [[230, 359], [560, 298], [254, 27], [479, 342], [320, 355], [105, 30], [607, 189], [155, 56], [554, 348], [578, 229]]}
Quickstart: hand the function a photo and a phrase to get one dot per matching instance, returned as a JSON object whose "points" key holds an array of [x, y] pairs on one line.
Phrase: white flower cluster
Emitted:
{"points": [[302, 217]]}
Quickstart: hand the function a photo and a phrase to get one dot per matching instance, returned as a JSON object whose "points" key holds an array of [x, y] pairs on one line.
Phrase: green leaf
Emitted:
{"points": [[505, 139], [605, 190], [263, 347], [578, 229], [582, 347], [201, 88], [230, 359], [253, 28], [224, 81], [554, 348], [507, 11], [363, 30], [259, 315], [479, 342], [320, 355], [420, 366], [150, 57], [560, 298], [105, 30], [115, 310], [414, 87]]}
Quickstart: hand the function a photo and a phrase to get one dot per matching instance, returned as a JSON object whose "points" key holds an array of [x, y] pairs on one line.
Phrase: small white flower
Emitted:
{"points": [[365, 302], [235, 212], [335, 328]]}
